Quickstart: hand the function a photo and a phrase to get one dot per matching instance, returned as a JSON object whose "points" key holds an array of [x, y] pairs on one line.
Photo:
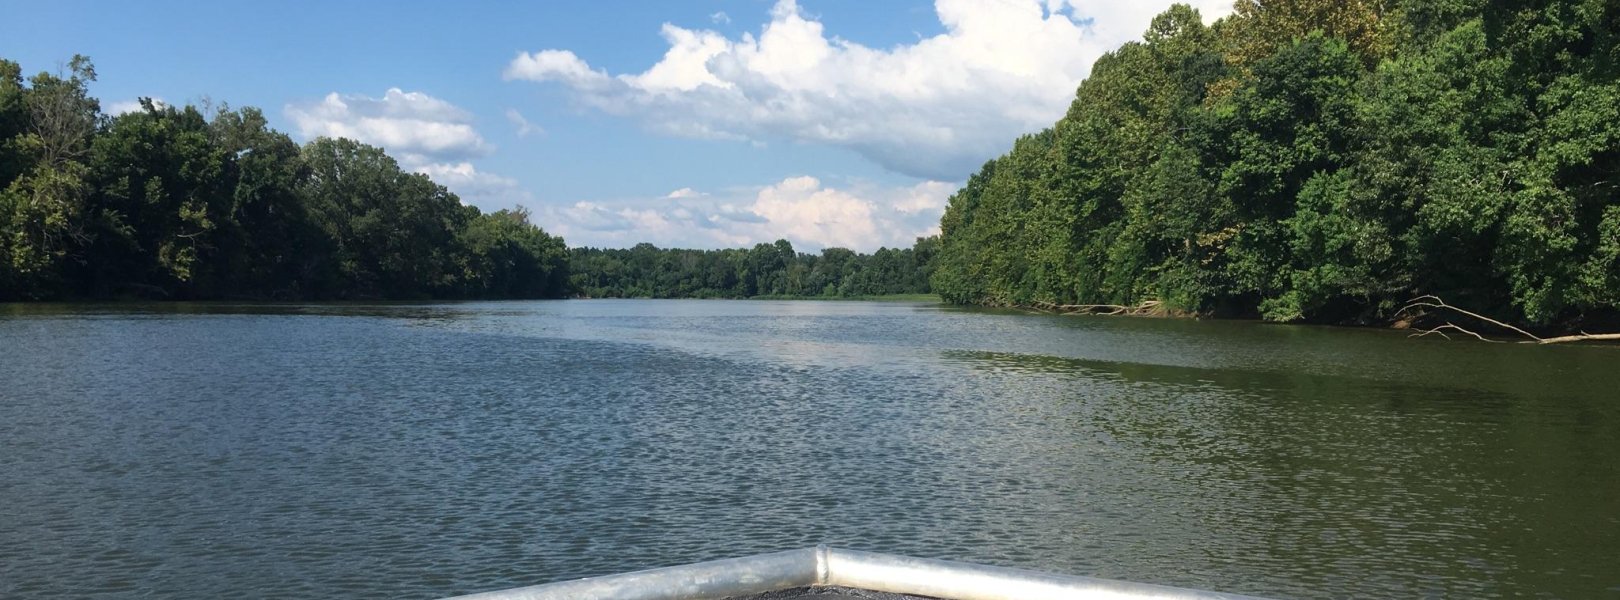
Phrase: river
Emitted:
{"points": [[423, 450]]}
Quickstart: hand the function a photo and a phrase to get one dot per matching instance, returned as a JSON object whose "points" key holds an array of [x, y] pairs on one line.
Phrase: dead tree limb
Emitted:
{"points": [[1145, 308], [1441, 331], [1584, 337], [1436, 303]]}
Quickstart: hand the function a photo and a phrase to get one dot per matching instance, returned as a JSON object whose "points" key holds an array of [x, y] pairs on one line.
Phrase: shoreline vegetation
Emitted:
{"points": [[1320, 161], [912, 298], [901, 298], [1306, 161], [765, 271], [210, 203], [206, 203]]}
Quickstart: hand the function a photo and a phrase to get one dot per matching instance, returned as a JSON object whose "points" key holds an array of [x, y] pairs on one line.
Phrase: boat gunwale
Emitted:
{"points": [[823, 566]]}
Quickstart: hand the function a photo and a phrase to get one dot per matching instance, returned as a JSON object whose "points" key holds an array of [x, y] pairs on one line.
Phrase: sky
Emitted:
{"points": [[698, 124]]}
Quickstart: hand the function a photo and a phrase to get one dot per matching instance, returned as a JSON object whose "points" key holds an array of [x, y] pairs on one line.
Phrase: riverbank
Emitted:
{"points": [[924, 298], [1424, 316], [929, 298]]}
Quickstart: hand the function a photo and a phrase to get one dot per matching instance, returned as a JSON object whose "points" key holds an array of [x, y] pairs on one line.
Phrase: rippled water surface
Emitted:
{"points": [[425, 450]]}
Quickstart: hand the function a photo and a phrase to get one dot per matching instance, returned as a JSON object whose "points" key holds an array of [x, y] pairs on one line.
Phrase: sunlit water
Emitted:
{"points": [[427, 450]]}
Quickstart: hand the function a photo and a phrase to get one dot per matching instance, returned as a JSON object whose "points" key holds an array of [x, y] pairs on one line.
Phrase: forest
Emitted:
{"points": [[1299, 160], [203, 203], [766, 270], [188, 203], [1318, 160]]}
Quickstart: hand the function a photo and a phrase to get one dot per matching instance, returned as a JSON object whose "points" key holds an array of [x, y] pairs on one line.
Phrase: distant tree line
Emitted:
{"points": [[775, 269], [172, 202], [1318, 159]]}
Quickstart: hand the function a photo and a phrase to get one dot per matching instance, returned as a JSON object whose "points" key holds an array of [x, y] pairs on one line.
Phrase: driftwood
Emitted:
{"points": [[1146, 308], [1435, 302]]}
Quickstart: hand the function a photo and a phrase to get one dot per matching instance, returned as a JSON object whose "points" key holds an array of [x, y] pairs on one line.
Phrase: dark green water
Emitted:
{"points": [[421, 451]]}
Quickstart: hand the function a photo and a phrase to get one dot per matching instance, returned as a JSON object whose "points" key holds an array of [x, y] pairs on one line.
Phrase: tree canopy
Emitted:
{"points": [[1298, 160], [1318, 160], [774, 269], [183, 202]]}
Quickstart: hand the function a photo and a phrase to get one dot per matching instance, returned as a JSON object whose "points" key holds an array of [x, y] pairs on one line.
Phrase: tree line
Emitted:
{"points": [[645, 271], [1318, 160], [188, 203], [171, 202]]}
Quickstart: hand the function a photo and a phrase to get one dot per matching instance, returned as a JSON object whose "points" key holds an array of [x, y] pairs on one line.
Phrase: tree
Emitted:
{"points": [[508, 257], [268, 246], [1259, 29], [41, 210], [182, 202], [1317, 160], [393, 231], [161, 191]]}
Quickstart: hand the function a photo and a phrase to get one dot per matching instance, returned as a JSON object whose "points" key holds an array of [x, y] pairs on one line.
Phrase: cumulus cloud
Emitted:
{"points": [[557, 65], [927, 198], [802, 210], [720, 18], [473, 185], [685, 192], [933, 109], [799, 208], [412, 126], [425, 134]]}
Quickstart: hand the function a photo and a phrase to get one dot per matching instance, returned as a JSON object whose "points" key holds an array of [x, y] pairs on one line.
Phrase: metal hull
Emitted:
{"points": [[823, 567]]}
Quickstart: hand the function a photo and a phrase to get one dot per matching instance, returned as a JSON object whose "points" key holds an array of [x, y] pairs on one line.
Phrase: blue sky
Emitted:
{"points": [[699, 124]]}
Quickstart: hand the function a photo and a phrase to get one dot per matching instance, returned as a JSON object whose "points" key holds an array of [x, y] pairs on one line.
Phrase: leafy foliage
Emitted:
{"points": [[774, 269], [1308, 159], [169, 202]]}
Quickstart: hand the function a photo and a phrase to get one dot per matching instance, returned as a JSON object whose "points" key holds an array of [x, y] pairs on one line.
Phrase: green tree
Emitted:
{"points": [[1287, 125], [42, 207], [509, 257], [161, 187], [268, 246], [393, 232], [1305, 159]]}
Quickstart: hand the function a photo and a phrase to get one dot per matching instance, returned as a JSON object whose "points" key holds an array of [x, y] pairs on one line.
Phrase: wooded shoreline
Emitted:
{"points": [[1298, 161], [1316, 161]]}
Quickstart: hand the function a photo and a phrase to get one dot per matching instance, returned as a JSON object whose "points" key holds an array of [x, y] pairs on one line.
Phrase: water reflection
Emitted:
{"points": [[1419, 485], [421, 450]]}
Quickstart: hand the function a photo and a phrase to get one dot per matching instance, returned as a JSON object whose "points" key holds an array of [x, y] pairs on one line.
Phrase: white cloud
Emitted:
{"points": [[555, 65], [589, 216], [524, 127], [129, 106], [933, 109], [685, 192], [926, 198], [801, 210], [425, 134], [720, 18], [477, 187], [412, 126]]}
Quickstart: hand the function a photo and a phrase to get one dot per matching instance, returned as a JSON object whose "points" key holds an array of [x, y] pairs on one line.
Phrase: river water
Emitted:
{"points": [[425, 450]]}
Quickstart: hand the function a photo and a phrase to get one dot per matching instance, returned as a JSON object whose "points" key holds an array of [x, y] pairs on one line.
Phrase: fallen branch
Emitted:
{"points": [[1584, 337], [1145, 308], [1436, 303], [1440, 331]]}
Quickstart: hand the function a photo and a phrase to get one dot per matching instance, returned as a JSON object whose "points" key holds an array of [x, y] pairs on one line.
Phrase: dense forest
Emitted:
{"points": [[765, 270], [201, 203], [1322, 160], [189, 203], [1298, 160]]}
